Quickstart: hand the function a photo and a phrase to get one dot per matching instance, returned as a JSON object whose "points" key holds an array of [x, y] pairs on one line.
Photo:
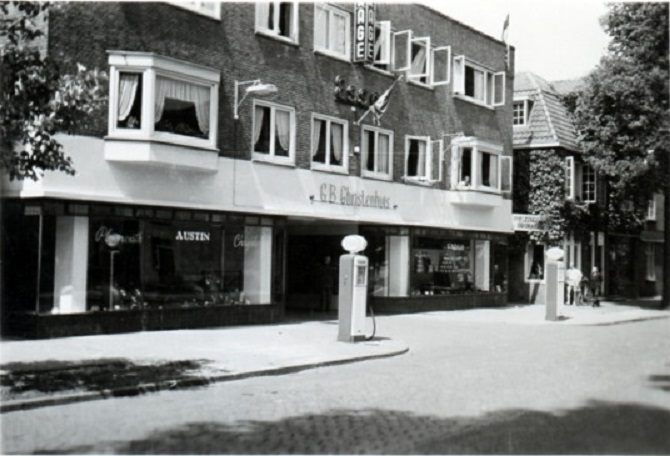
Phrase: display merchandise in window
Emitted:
{"points": [[441, 266]]}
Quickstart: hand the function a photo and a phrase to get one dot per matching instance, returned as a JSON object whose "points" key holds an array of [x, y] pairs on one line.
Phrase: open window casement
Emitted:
{"points": [[383, 38], [441, 71], [570, 178], [437, 159], [402, 50], [459, 75], [278, 18], [499, 88], [505, 178], [420, 55]]}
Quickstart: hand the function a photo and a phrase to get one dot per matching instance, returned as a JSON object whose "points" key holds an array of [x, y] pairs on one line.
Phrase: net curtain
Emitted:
{"points": [[128, 83], [179, 90]]}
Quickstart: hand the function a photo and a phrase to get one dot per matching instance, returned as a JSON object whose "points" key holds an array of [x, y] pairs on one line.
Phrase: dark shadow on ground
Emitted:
{"points": [[598, 428]]}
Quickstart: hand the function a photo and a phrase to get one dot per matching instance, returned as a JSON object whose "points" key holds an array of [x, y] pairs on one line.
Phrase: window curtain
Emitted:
{"points": [[479, 85], [259, 115], [338, 34], [455, 165], [336, 141], [493, 172], [283, 125], [383, 154], [320, 27], [421, 162], [178, 90], [128, 83], [316, 136], [419, 63]]}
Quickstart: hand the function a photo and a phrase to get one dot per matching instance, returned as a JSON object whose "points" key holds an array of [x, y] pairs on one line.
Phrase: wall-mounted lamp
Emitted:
{"points": [[256, 87]]}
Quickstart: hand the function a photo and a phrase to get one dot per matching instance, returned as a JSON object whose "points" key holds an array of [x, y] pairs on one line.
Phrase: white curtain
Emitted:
{"points": [[179, 90], [321, 28], [128, 83], [419, 63], [259, 114], [493, 172], [479, 85], [336, 141], [455, 165], [283, 125], [316, 136], [382, 153], [338, 37]]}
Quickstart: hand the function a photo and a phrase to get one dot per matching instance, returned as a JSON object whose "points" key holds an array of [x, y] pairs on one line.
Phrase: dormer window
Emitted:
{"points": [[521, 112]]}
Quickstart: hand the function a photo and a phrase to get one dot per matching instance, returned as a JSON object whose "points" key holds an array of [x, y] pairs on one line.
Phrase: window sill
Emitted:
{"points": [[332, 55], [258, 159], [420, 85], [274, 36], [420, 181], [379, 70], [162, 138], [473, 101], [329, 169], [379, 177], [475, 198], [157, 153]]}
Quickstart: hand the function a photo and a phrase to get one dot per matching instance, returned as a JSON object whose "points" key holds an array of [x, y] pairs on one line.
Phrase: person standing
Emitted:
{"points": [[595, 281], [327, 282], [573, 278]]}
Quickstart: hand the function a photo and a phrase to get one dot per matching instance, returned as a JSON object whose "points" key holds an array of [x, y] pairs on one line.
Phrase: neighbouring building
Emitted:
{"points": [[242, 142], [546, 143]]}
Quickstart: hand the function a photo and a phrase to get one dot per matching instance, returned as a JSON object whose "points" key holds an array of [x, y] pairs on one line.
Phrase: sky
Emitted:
{"points": [[555, 39]]}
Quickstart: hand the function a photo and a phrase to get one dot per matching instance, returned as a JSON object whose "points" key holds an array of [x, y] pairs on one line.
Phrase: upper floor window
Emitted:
{"points": [[164, 99], [331, 30], [278, 19], [330, 144], [475, 83], [273, 133], [521, 112], [651, 209], [581, 183], [475, 165], [423, 63], [377, 152], [423, 159], [210, 9]]}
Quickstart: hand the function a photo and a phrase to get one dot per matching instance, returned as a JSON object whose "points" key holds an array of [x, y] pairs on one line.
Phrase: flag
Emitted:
{"points": [[505, 29], [505, 37], [378, 108]]}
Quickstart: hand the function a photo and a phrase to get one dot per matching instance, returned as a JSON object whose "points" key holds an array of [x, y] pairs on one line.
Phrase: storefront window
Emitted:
{"points": [[442, 266]]}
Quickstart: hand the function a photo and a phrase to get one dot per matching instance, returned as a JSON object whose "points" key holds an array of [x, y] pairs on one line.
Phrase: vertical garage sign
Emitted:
{"points": [[364, 32]]}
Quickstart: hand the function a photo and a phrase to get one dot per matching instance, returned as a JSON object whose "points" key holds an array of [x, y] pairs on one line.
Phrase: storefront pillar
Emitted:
{"points": [[398, 280], [71, 264]]}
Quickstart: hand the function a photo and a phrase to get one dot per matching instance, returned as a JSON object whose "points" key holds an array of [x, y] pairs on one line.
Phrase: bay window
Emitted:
{"points": [[273, 132], [377, 152], [478, 84], [163, 99], [475, 165], [278, 19], [331, 30], [330, 144]]}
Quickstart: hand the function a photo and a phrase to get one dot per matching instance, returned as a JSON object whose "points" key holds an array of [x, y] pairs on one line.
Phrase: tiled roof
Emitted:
{"points": [[549, 124]]}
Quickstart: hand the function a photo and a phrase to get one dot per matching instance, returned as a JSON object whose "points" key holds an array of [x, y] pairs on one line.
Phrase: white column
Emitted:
{"points": [[71, 264], [398, 260], [482, 265], [258, 264]]}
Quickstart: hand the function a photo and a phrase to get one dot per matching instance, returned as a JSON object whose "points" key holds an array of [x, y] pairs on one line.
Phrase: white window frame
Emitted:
{"points": [[261, 21], [490, 98], [271, 156], [209, 9], [386, 54], [570, 176], [427, 174], [650, 263], [526, 105], [651, 210], [423, 41], [344, 167], [150, 66], [329, 11], [407, 48], [478, 148], [583, 172], [376, 174]]}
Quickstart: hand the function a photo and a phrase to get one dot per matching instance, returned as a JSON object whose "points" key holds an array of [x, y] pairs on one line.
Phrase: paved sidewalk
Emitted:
{"points": [[234, 353]]}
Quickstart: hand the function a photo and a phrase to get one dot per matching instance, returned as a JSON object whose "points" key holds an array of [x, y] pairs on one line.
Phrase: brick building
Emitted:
{"points": [[238, 150]]}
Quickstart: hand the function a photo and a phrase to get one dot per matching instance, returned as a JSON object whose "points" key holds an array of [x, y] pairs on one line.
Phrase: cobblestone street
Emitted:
{"points": [[464, 387]]}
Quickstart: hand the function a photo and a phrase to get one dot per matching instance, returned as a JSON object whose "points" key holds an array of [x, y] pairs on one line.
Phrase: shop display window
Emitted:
{"points": [[442, 266]]}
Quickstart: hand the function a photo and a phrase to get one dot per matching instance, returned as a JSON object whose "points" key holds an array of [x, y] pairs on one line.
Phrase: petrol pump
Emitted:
{"points": [[555, 283], [353, 290]]}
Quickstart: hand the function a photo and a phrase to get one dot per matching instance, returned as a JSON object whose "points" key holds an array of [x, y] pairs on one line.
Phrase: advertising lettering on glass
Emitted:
{"points": [[103, 233], [192, 236], [364, 32]]}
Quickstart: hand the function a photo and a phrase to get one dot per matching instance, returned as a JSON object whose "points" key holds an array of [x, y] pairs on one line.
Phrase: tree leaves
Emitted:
{"points": [[37, 99]]}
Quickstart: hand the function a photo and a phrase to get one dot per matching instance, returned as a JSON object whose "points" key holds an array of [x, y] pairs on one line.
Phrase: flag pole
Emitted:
{"points": [[385, 94]]}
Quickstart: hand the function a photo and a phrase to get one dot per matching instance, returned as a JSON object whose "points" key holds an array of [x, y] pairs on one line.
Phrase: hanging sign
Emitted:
{"points": [[364, 32], [527, 222]]}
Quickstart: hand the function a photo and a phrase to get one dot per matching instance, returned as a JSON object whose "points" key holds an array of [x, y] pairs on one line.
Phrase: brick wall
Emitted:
{"points": [[85, 31]]}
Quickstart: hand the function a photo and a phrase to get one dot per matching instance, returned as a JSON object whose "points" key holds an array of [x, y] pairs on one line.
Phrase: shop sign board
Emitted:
{"points": [[527, 222], [364, 32], [342, 194]]}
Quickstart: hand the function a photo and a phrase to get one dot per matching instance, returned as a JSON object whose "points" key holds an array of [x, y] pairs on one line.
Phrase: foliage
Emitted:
{"points": [[622, 112], [547, 194], [37, 98]]}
